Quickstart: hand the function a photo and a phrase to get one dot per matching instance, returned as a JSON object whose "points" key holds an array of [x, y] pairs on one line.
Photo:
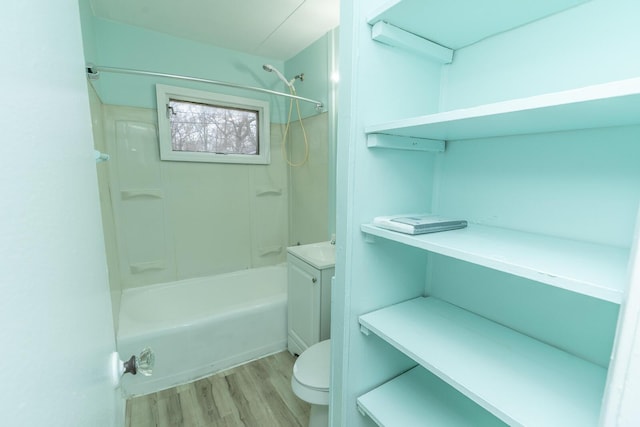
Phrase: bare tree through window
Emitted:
{"points": [[202, 126], [197, 127]]}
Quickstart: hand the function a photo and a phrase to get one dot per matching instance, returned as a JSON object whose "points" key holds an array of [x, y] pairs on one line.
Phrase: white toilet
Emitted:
{"points": [[310, 381]]}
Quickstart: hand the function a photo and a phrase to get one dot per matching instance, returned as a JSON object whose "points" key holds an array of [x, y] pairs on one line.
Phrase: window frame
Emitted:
{"points": [[165, 93]]}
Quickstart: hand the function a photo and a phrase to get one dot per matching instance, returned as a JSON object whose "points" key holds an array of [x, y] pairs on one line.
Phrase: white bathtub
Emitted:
{"points": [[200, 326]]}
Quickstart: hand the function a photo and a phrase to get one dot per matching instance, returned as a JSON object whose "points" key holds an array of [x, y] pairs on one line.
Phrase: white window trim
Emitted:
{"points": [[165, 93]]}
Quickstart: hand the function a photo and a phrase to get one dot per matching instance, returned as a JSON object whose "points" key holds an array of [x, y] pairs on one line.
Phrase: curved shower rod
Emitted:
{"points": [[93, 72]]}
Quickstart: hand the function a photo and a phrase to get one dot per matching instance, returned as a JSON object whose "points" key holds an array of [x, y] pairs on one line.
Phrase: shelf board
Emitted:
{"points": [[520, 380], [605, 105], [595, 270], [416, 396], [418, 17]]}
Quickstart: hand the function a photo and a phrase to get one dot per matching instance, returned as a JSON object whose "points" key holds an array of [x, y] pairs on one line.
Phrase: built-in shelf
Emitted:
{"points": [[418, 398], [455, 23], [605, 105], [598, 271], [520, 380]]}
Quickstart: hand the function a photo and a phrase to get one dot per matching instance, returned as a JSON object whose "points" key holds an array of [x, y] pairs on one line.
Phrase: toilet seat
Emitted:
{"points": [[310, 379]]}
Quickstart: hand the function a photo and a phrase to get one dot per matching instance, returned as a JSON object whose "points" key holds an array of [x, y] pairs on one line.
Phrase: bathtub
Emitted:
{"points": [[200, 326]]}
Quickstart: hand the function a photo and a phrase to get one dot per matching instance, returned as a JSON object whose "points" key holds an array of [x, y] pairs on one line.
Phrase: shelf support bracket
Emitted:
{"points": [[364, 330], [369, 238], [362, 412], [397, 37], [381, 140]]}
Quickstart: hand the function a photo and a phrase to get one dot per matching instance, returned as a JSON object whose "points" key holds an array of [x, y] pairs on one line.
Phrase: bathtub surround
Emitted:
{"points": [[309, 183], [256, 394], [177, 220], [312, 199], [106, 206], [165, 221]]}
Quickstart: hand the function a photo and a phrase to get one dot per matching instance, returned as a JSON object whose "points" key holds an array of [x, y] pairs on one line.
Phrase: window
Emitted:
{"points": [[198, 126]]}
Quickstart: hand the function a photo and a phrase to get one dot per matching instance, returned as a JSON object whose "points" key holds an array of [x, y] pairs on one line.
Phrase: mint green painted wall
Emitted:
{"points": [[578, 185], [57, 330], [89, 38], [584, 45], [575, 323], [125, 46], [88, 34], [313, 61]]}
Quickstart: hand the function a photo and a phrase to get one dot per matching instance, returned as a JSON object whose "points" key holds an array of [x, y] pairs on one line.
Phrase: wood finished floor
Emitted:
{"points": [[257, 394]]}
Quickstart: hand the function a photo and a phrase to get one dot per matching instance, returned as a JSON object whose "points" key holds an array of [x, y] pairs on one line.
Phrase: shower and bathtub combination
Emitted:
{"points": [[234, 308]]}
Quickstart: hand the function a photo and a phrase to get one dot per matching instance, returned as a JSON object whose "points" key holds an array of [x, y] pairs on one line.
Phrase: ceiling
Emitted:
{"points": [[276, 29]]}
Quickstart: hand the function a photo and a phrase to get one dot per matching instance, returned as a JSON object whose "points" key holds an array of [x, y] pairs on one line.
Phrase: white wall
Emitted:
{"points": [[560, 184], [548, 55], [56, 335]]}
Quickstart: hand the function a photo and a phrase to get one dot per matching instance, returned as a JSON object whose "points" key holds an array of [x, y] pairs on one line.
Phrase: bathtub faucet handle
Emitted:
{"points": [[143, 363]]}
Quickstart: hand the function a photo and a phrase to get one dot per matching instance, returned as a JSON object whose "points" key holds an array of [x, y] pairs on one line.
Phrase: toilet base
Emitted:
{"points": [[319, 416]]}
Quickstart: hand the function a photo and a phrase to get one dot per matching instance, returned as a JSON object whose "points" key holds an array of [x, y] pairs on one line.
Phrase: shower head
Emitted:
{"points": [[270, 68]]}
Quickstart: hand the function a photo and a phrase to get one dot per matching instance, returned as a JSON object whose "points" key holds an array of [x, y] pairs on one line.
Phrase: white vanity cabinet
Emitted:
{"points": [[524, 121], [309, 296]]}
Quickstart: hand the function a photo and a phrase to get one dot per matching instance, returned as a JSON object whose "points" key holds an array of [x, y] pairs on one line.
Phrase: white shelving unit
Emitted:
{"points": [[416, 396], [518, 379], [472, 370], [595, 270]]}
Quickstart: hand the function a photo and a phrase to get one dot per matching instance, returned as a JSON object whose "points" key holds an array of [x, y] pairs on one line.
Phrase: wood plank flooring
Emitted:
{"points": [[257, 394]]}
